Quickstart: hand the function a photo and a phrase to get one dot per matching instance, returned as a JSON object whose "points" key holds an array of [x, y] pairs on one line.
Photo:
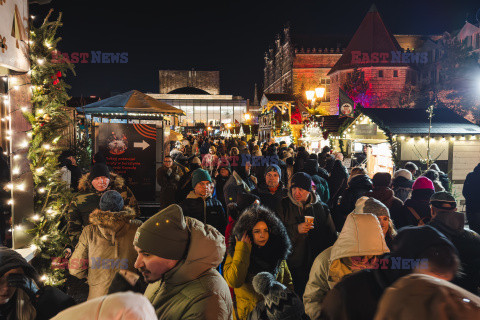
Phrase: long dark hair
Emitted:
{"points": [[278, 246]]}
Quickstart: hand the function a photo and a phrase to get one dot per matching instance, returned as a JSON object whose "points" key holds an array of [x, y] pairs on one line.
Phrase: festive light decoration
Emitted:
{"points": [[48, 119]]}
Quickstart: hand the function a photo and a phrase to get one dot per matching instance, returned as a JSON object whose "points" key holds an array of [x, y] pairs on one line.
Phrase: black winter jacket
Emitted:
{"points": [[467, 242], [420, 202], [306, 247], [357, 187], [209, 211], [271, 201]]}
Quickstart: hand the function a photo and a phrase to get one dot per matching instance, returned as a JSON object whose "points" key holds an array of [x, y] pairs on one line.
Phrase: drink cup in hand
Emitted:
{"points": [[309, 220]]}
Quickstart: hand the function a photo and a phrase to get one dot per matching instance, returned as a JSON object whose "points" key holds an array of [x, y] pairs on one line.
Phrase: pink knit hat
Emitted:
{"points": [[423, 183]]}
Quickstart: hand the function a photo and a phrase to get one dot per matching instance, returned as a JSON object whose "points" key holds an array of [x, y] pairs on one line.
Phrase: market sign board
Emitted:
{"points": [[130, 150], [14, 35], [369, 129]]}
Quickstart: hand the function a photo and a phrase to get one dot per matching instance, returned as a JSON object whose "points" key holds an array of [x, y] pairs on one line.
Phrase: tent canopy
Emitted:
{"points": [[131, 101]]}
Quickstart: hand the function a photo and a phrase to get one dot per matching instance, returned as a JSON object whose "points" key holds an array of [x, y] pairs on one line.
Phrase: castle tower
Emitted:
{"points": [[375, 52]]}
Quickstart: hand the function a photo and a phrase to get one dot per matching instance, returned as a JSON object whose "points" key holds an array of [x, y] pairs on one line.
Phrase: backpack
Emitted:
{"points": [[415, 214]]}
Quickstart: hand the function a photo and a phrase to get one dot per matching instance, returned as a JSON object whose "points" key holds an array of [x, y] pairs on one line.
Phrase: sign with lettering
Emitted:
{"points": [[14, 52], [130, 150], [369, 129]]}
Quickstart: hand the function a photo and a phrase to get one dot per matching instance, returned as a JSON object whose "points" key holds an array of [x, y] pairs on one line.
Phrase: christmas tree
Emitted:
{"points": [[48, 120]]}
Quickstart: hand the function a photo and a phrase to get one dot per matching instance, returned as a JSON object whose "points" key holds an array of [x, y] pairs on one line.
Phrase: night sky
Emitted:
{"points": [[230, 37]]}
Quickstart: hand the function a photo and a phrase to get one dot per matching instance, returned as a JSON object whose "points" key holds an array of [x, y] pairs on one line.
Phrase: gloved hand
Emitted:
{"points": [[21, 281]]}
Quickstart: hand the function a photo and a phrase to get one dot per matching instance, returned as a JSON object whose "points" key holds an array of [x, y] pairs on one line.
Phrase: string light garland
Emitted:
{"points": [[48, 119]]}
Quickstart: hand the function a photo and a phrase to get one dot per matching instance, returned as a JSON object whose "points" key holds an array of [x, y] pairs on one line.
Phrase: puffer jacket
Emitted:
{"points": [[361, 236], [358, 186], [87, 200], [420, 296], [245, 260], [104, 248], [209, 211], [193, 289], [117, 306]]}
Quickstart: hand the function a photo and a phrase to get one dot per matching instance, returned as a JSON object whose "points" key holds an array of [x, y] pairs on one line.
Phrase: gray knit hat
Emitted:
{"points": [[165, 234], [280, 302], [111, 201]]}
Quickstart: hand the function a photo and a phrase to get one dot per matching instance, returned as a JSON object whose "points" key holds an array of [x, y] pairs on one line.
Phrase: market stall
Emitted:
{"points": [[275, 118], [132, 129], [388, 138]]}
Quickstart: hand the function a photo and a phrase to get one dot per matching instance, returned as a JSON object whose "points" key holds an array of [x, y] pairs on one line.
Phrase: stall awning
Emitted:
{"points": [[415, 121], [131, 101]]}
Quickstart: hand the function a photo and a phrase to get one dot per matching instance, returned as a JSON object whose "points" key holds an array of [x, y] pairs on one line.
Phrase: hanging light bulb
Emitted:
{"points": [[41, 190], [10, 202], [16, 170], [21, 187], [35, 217]]}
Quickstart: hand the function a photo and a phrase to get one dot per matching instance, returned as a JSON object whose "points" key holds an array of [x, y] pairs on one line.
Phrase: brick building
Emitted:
{"points": [[299, 63], [375, 52]]}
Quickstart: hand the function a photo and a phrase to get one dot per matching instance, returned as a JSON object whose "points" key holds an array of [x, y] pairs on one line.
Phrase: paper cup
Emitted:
{"points": [[309, 219]]}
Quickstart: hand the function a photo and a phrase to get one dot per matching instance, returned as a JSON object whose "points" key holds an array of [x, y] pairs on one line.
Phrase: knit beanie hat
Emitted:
{"points": [[200, 175], [99, 170], [423, 183], [443, 200], [301, 180], [274, 167], [165, 234], [371, 205], [382, 179], [280, 302], [111, 201], [403, 173]]}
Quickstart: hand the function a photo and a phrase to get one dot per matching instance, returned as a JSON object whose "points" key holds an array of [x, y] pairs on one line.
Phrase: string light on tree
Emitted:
{"points": [[48, 120]]}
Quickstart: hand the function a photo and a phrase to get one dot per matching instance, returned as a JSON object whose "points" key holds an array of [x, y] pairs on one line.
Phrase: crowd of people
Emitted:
{"points": [[265, 231]]}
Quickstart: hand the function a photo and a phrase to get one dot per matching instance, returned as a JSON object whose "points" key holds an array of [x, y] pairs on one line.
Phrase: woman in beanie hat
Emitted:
{"points": [[91, 188], [105, 246], [416, 211], [259, 243]]}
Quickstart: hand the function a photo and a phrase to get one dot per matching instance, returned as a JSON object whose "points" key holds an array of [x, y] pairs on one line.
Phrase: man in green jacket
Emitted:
{"points": [[90, 189], [177, 256]]}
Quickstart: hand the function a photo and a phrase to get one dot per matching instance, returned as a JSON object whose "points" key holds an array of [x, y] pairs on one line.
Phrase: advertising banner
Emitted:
{"points": [[130, 150]]}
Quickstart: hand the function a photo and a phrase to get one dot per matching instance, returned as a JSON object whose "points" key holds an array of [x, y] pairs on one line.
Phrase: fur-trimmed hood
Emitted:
{"points": [[278, 240], [111, 219], [116, 183]]}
